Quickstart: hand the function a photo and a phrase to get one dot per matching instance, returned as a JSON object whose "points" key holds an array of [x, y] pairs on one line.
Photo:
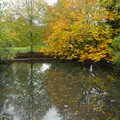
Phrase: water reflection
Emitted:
{"points": [[82, 97], [44, 67], [58, 91], [25, 93], [52, 114]]}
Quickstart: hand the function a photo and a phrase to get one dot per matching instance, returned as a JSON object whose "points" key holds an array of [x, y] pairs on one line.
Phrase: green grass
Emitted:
{"points": [[25, 49]]}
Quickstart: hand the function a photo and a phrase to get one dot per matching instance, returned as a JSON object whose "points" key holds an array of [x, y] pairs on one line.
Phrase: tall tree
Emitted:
{"points": [[30, 12], [78, 31], [6, 35]]}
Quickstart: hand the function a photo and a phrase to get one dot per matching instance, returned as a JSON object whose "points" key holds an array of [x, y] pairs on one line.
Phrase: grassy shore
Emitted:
{"points": [[25, 49]]}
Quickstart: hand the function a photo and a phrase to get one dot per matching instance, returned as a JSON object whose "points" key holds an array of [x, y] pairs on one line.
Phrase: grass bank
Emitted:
{"points": [[25, 49]]}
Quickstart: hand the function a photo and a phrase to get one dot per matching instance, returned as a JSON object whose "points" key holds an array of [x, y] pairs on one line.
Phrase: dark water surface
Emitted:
{"points": [[58, 91]]}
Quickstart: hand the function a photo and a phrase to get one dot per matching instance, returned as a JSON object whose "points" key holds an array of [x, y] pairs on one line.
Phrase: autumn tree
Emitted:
{"points": [[79, 32], [113, 19]]}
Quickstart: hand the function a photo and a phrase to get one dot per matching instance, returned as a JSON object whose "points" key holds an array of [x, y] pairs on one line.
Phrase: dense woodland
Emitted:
{"points": [[86, 30]]}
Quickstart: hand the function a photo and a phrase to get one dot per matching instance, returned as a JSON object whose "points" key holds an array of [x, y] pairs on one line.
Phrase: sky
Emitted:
{"points": [[50, 2]]}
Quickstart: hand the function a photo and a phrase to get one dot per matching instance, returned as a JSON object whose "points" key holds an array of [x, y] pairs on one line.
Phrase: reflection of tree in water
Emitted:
{"points": [[27, 96], [82, 97], [3, 84], [77, 95]]}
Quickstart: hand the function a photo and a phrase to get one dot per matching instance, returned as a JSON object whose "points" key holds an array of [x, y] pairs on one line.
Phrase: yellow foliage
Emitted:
{"points": [[75, 36]]}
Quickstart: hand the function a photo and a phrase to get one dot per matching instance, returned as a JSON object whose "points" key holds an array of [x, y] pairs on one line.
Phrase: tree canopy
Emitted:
{"points": [[79, 31], [86, 30]]}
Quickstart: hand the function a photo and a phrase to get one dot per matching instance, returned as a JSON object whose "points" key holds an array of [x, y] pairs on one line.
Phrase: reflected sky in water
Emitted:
{"points": [[52, 114], [58, 91], [44, 67]]}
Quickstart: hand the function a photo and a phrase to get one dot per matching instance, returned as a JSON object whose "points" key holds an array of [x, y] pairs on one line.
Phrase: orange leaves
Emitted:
{"points": [[74, 36], [60, 25]]}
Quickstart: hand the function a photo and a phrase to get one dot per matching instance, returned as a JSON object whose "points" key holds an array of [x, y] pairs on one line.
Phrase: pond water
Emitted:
{"points": [[58, 91]]}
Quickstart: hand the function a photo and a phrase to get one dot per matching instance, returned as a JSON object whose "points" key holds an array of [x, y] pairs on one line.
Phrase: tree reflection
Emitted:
{"points": [[82, 97], [58, 91], [26, 97]]}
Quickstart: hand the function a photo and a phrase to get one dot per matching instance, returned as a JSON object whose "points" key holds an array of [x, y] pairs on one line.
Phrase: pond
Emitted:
{"points": [[58, 91]]}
